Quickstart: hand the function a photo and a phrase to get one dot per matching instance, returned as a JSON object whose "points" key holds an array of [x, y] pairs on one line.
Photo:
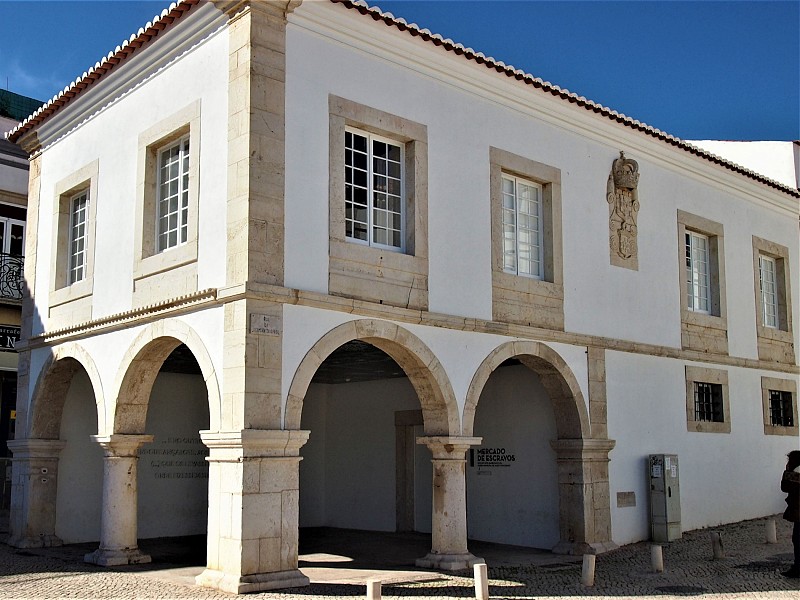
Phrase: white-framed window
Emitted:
{"points": [[698, 275], [78, 218], [767, 273], [12, 236], [523, 250], [374, 202], [172, 219]]}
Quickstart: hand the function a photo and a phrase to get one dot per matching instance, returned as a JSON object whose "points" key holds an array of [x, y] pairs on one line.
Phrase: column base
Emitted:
{"points": [[114, 558], [41, 541], [448, 562], [581, 548], [244, 584]]}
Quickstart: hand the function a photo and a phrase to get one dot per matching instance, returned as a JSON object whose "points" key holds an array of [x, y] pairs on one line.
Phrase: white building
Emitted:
{"points": [[312, 231]]}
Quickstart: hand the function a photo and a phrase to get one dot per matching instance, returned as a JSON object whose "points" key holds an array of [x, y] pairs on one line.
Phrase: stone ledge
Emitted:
{"points": [[243, 584]]}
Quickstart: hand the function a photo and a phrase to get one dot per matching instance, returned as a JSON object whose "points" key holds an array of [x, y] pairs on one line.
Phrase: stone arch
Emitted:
{"points": [[52, 385], [572, 418], [427, 376], [140, 367]]}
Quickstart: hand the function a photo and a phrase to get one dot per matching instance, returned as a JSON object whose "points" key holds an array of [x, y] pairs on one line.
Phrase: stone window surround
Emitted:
{"points": [[717, 320], [61, 291], [783, 333], [782, 385], [528, 289], [713, 376], [147, 261], [414, 260]]}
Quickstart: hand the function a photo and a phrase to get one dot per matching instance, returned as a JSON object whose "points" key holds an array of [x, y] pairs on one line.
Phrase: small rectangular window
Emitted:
{"points": [[172, 222], [698, 286], [78, 212], [708, 402], [374, 202], [781, 412], [522, 227], [769, 290]]}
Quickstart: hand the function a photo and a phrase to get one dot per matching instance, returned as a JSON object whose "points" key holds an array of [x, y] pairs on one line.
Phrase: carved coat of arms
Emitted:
{"points": [[623, 204]]}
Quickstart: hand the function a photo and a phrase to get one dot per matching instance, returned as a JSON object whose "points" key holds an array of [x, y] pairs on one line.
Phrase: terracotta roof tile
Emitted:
{"points": [[177, 9], [480, 58]]}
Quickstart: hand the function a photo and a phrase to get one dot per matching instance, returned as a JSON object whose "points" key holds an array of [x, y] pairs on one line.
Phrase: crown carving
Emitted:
{"points": [[626, 172]]}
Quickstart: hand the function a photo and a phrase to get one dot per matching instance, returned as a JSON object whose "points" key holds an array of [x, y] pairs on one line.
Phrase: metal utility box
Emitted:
{"points": [[665, 497]]}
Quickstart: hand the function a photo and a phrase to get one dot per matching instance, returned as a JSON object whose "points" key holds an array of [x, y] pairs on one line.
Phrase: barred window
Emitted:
{"points": [[173, 195], [780, 408], [708, 402]]}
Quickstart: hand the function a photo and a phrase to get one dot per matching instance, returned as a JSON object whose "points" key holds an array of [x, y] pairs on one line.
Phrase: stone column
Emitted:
{"points": [[34, 485], [449, 528], [584, 496], [118, 525], [253, 510]]}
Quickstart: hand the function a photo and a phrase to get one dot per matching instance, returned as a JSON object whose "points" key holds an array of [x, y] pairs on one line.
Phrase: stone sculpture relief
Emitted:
{"points": [[623, 207]]}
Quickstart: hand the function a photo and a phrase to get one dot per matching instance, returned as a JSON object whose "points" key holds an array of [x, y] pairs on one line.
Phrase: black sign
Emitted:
{"points": [[9, 336]]}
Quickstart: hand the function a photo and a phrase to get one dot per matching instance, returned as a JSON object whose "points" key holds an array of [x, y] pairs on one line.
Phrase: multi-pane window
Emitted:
{"points": [[78, 213], [698, 279], [522, 227], [172, 222], [373, 190], [769, 291], [781, 412], [708, 402]]}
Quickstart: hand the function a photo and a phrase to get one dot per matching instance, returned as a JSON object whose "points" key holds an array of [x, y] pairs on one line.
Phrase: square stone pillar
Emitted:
{"points": [[119, 525], [583, 496], [34, 485], [449, 528], [253, 510]]}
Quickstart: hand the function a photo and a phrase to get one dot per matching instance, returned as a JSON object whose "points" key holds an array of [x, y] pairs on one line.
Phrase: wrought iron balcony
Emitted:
{"points": [[12, 279]]}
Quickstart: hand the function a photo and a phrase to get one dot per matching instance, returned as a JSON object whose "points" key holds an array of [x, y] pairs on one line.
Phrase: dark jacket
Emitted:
{"points": [[790, 483]]}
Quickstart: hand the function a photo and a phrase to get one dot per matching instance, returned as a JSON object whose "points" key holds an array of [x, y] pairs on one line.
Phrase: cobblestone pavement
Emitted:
{"points": [[751, 569]]}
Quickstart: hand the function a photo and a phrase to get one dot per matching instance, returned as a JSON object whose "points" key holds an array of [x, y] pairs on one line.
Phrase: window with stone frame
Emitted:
{"points": [[701, 257], [779, 403], [72, 269], [773, 299], [167, 208], [378, 196], [707, 404], [527, 261]]}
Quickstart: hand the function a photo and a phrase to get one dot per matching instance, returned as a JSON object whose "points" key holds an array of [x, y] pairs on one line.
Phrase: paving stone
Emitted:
{"points": [[751, 569]]}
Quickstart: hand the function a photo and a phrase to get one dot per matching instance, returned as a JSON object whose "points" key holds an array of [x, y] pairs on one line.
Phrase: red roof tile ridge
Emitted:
{"points": [[412, 28], [159, 23]]}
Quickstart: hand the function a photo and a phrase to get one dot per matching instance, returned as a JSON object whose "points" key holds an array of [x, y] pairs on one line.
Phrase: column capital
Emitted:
{"points": [[122, 445], [445, 447], [254, 443], [580, 449], [35, 448]]}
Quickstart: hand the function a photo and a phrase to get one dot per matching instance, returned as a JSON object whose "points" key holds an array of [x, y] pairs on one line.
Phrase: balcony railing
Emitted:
{"points": [[12, 279]]}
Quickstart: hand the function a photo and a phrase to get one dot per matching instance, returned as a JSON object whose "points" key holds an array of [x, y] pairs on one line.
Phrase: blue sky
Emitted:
{"points": [[696, 69]]}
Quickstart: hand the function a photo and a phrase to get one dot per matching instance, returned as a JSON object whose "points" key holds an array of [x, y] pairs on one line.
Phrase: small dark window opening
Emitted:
{"points": [[708, 402], [780, 408]]}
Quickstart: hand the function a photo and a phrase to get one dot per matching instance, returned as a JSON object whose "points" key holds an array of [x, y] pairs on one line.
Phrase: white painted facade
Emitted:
{"points": [[631, 319]]}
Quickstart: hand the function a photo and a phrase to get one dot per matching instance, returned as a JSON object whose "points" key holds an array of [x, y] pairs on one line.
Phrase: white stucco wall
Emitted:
{"points": [[111, 137], [347, 475], [514, 501]]}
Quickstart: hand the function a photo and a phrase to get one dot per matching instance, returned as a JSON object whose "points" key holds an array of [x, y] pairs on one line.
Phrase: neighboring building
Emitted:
{"points": [[777, 160], [13, 205], [267, 231]]}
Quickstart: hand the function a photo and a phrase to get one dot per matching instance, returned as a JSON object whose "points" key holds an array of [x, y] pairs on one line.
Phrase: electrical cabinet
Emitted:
{"points": [[665, 497]]}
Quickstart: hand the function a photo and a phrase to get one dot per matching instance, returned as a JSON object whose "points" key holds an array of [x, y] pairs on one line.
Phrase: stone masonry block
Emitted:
{"points": [[261, 516]]}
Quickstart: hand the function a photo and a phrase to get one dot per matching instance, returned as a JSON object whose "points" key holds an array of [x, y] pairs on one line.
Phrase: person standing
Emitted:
{"points": [[790, 483]]}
